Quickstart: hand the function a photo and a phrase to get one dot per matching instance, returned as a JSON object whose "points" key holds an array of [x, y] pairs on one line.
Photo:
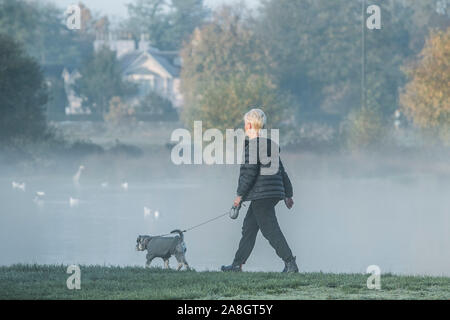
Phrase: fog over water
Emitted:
{"points": [[349, 213]]}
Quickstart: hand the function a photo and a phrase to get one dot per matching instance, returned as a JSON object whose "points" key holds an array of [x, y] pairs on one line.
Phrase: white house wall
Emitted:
{"points": [[154, 66], [161, 81]]}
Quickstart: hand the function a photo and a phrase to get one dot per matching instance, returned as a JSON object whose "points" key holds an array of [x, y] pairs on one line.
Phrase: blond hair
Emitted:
{"points": [[256, 117]]}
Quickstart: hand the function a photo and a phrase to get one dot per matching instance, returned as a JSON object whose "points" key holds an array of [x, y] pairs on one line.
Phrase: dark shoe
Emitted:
{"points": [[232, 268], [291, 266]]}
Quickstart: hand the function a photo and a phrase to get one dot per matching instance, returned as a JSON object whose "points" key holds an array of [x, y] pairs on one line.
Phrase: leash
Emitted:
{"points": [[203, 223]]}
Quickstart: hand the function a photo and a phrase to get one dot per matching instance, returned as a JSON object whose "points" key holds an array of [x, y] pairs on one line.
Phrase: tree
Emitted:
{"points": [[57, 97], [224, 73], [92, 23], [185, 16], [23, 95], [312, 43], [224, 102], [316, 47], [430, 13], [101, 80], [426, 98], [167, 23], [41, 31], [426, 15], [387, 49]]}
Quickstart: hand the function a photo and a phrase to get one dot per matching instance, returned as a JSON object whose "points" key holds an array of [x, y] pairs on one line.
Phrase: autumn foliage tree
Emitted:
{"points": [[225, 72], [426, 98]]}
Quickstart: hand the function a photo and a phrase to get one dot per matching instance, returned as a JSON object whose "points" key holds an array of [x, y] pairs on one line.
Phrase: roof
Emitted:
{"points": [[132, 62], [128, 59], [164, 62]]}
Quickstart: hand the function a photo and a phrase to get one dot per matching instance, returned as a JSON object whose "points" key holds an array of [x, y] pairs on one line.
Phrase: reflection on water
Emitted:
{"points": [[338, 225]]}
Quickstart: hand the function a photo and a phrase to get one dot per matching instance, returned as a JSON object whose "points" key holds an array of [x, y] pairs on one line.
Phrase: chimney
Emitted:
{"points": [[144, 43]]}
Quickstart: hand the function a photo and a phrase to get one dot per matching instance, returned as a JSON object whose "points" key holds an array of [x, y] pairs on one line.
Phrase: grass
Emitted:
{"points": [[97, 282]]}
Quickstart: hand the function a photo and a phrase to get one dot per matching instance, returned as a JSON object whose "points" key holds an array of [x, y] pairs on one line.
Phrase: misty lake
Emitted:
{"points": [[337, 224]]}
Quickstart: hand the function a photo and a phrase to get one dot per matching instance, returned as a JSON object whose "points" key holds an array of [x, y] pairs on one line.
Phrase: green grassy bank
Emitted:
{"points": [[97, 282]]}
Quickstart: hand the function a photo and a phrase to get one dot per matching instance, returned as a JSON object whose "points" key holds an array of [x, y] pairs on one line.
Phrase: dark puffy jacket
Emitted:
{"points": [[253, 185]]}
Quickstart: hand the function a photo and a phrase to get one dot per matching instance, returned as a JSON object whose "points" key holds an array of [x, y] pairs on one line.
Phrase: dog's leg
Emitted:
{"points": [[183, 260], [166, 263], [149, 260], [179, 256]]}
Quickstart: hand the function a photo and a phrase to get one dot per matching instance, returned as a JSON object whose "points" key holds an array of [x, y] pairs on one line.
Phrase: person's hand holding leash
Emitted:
{"points": [[289, 202], [237, 201], [234, 211]]}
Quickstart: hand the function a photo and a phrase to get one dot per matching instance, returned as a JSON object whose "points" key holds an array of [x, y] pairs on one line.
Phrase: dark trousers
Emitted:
{"points": [[261, 216]]}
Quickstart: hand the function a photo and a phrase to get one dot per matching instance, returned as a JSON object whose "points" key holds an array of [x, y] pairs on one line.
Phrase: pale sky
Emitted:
{"points": [[117, 8]]}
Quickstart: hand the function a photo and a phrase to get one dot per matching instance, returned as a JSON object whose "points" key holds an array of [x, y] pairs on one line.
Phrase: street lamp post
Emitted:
{"points": [[363, 54]]}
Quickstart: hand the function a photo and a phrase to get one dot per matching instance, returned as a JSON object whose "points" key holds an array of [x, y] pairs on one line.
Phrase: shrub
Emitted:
{"points": [[125, 150], [119, 114], [363, 129], [84, 148], [155, 104], [311, 135]]}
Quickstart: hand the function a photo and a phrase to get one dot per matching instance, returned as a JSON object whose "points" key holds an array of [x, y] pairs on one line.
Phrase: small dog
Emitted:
{"points": [[164, 247]]}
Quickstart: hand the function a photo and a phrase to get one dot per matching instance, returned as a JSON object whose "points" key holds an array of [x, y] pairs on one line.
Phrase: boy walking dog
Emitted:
{"points": [[264, 191]]}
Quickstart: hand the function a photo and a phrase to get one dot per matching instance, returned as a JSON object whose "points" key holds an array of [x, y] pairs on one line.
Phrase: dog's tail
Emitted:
{"points": [[179, 232]]}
